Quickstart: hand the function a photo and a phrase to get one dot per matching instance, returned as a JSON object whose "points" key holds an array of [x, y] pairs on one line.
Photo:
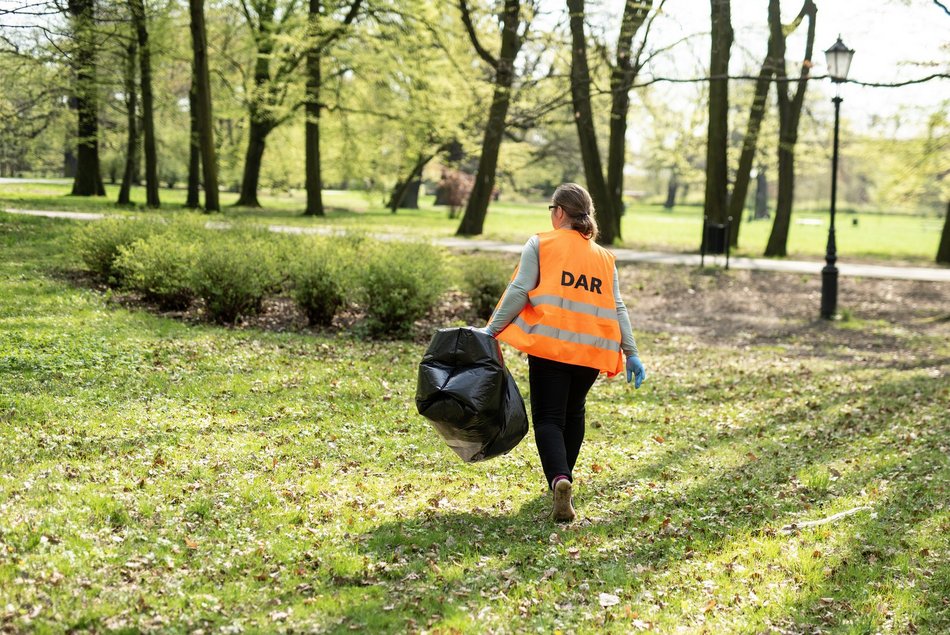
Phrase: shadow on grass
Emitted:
{"points": [[638, 529]]}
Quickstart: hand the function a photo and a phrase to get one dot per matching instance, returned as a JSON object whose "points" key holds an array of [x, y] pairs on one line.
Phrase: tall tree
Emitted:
{"points": [[209, 166], [473, 220], [586, 133], [88, 180], [140, 22], [789, 111], [740, 188], [194, 148], [278, 56], [131, 107], [622, 75], [320, 37], [717, 174]]}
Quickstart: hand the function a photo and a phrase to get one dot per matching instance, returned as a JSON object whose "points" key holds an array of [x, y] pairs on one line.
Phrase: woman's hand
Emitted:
{"points": [[635, 369]]}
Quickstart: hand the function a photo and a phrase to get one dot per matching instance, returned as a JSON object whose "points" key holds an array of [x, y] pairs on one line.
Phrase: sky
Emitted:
{"points": [[890, 39]]}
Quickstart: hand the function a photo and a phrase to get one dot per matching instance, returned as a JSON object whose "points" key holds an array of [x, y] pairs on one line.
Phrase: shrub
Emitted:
{"points": [[321, 277], [484, 279], [399, 284], [234, 274], [98, 244], [160, 268]]}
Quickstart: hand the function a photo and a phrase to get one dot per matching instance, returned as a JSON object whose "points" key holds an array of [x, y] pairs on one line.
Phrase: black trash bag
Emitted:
{"points": [[468, 395]]}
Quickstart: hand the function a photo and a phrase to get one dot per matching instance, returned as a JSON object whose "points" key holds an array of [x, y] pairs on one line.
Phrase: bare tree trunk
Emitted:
{"points": [[148, 116], [262, 120], [716, 203], [194, 151], [312, 141], [473, 220], [88, 181], [587, 135], [778, 238], [671, 187], [256, 140], [320, 41], [790, 109], [943, 251], [209, 167], [131, 140], [740, 188], [622, 77]]}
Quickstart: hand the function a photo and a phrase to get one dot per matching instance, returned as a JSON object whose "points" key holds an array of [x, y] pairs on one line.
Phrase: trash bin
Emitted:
{"points": [[715, 239]]}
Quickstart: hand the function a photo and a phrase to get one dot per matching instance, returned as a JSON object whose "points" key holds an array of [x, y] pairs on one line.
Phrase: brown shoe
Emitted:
{"points": [[563, 506]]}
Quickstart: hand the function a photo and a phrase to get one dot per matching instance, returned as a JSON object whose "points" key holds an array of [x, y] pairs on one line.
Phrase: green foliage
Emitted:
{"points": [[816, 478], [400, 283], [99, 244], [321, 278], [234, 274], [484, 279], [160, 268]]}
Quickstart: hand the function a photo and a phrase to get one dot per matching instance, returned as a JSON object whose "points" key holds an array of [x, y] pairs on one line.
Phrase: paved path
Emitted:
{"points": [[624, 256]]}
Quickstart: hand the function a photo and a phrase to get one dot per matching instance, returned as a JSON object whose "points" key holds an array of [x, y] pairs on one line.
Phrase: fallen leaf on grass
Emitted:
{"points": [[279, 616], [596, 468], [658, 438], [608, 599], [710, 605]]}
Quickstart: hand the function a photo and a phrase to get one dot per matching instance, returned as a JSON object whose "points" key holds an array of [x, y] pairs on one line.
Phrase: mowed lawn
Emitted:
{"points": [[160, 476], [645, 226]]}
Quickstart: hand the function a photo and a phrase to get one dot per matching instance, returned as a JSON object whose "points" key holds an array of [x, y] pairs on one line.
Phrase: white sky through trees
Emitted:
{"points": [[894, 41]]}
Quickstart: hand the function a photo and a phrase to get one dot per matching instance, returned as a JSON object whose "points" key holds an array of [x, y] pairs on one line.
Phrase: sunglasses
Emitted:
{"points": [[553, 207]]}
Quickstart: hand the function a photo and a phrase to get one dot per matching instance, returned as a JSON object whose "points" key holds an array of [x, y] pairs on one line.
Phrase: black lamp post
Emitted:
{"points": [[838, 58]]}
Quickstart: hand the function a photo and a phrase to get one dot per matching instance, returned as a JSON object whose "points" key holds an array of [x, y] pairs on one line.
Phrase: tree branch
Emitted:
{"points": [[473, 36], [339, 30], [697, 80]]}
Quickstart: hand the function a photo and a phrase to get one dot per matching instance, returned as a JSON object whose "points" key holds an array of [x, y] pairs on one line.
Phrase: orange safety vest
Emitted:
{"points": [[571, 315]]}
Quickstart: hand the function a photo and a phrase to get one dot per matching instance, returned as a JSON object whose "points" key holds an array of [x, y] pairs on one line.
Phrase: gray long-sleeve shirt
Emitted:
{"points": [[516, 295]]}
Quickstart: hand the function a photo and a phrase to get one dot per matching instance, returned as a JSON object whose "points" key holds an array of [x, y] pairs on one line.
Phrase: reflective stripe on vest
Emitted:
{"points": [[571, 315], [566, 336], [573, 305]]}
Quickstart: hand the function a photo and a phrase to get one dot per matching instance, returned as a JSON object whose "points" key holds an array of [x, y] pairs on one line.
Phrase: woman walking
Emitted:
{"points": [[563, 308]]}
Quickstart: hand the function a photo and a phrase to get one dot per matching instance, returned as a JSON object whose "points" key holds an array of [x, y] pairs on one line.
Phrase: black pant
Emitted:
{"points": [[558, 394]]}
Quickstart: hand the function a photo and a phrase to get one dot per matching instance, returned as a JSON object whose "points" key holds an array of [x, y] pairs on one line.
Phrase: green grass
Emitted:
{"points": [[892, 237], [160, 476]]}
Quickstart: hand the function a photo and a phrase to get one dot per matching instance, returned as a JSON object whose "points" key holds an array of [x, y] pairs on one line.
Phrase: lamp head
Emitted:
{"points": [[838, 58]]}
